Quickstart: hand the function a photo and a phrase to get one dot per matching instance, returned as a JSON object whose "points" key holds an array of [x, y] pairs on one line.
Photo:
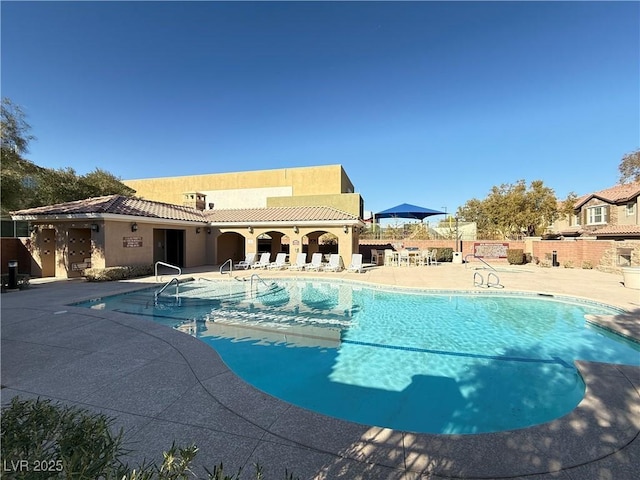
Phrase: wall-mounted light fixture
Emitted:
{"points": [[134, 227], [209, 231], [250, 229], [197, 229], [95, 227], [345, 229], [295, 229]]}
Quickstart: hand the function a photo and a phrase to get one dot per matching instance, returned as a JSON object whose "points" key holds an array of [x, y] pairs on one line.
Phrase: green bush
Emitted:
{"points": [[587, 265], [64, 442], [117, 273], [444, 254], [61, 442], [515, 256]]}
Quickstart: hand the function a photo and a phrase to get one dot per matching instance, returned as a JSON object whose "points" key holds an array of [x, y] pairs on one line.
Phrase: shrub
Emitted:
{"points": [[72, 443], [568, 264], [444, 254], [515, 256], [64, 441], [587, 265], [117, 273]]}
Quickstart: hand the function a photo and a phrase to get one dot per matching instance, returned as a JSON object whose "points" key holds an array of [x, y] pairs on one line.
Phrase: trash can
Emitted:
{"points": [[457, 257], [554, 259], [13, 274]]}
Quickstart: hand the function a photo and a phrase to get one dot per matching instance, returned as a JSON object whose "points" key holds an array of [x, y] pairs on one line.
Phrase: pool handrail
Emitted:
{"points": [[472, 255], [174, 279], [259, 279], [166, 265], [230, 262]]}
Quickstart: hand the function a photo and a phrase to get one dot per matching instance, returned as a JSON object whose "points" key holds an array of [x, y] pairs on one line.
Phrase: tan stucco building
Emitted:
{"points": [[326, 185], [176, 223]]}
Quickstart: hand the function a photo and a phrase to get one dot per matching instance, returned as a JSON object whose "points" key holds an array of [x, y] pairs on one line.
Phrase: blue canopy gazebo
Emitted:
{"points": [[406, 210]]}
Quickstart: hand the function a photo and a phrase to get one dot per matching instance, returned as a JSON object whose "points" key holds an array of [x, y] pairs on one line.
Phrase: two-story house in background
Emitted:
{"points": [[611, 213]]}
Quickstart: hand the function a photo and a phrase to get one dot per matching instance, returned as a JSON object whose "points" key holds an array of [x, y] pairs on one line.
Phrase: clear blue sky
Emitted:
{"points": [[430, 103]]}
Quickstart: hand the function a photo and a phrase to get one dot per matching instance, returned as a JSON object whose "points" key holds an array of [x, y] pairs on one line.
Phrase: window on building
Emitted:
{"points": [[596, 215], [11, 228], [630, 209]]}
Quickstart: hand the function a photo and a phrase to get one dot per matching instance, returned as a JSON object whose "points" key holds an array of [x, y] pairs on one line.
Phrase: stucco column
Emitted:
{"points": [[250, 241], [345, 245]]}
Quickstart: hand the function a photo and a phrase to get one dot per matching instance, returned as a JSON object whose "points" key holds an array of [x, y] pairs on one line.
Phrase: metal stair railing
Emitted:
{"points": [[166, 285], [466, 261], [259, 278], [166, 265], [230, 262], [480, 283]]}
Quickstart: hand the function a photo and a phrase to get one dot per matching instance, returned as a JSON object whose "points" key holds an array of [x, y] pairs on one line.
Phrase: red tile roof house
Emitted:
{"points": [[610, 213], [608, 224]]}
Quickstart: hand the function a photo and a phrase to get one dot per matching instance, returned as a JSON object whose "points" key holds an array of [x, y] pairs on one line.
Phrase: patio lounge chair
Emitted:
{"points": [[375, 256], [335, 263], [316, 262], [356, 263], [263, 262], [280, 263], [301, 262], [249, 259]]}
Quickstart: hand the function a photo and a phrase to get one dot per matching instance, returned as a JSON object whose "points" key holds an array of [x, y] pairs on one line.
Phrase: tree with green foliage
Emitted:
{"points": [[16, 173], [629, 167], [567, 206], [25, 184], [512, 210]]}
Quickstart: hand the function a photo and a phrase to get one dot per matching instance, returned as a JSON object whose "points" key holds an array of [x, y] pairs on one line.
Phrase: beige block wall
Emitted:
{"points": [[317, 180], [116, 254], [347, 202]]}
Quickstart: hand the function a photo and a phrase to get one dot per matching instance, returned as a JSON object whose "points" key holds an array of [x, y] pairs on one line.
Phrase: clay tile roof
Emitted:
{"points": [[627, 230], [616, 194], [277, 214], [117, 205]]}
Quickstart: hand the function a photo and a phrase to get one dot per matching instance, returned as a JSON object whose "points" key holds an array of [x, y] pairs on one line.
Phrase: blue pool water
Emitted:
{"points": [[434, 363]]}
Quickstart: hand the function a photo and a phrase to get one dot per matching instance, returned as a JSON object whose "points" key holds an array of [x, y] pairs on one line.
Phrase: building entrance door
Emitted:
{"points": [[175, 247]]}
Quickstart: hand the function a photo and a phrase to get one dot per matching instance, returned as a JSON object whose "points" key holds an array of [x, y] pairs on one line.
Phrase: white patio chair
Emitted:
{"points": [[301, 262], [404, 259], [249, 260], [316, 262], [423, 258], [356, 263], [263, 262], [335, 263], [433, 260], [280, 262], [375, 256], [390, 260]]}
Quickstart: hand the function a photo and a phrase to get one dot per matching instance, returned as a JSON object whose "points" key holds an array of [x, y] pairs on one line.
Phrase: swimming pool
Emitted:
{"points": [[445, 362]]}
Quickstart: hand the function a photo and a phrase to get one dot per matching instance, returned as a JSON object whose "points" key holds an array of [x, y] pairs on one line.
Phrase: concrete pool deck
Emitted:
{"points": [[162, 385]]}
